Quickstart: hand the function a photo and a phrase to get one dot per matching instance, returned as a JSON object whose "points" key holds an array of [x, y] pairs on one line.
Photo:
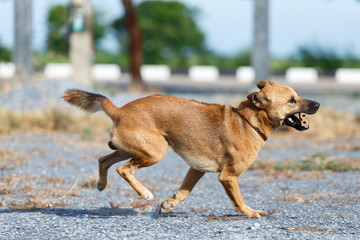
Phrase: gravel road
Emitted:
{"points": [[47, 188], [60, 170]]}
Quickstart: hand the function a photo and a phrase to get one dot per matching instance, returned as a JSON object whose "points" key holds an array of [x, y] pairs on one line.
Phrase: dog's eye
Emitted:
{"points": [[292, 100]]}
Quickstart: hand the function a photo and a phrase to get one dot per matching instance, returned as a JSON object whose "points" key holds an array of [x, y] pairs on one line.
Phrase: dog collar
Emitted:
{"points": [[262, 135]]}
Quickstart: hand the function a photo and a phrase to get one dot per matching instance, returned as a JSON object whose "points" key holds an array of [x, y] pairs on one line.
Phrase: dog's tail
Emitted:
{"points": [[90, 102]]}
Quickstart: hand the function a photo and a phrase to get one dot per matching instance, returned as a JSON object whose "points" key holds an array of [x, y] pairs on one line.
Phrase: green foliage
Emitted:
{"points": [[320, 58], [356, 95], [172, 37], [225, 63], [42, 58], [231, 63], [279, 66], [57, 24], [5, 54], [325, 60], [99, 30], [170, 33], [102, 56]]}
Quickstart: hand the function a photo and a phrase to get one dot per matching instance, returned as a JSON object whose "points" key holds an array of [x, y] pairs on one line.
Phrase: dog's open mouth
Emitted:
{"points": [[298, 121]]}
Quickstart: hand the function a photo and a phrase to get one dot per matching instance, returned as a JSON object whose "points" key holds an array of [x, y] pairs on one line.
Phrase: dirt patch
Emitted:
{"points": [[305, 228], [226, 218]]}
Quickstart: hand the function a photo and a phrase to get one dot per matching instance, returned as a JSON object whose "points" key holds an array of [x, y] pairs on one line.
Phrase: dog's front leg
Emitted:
{"points": [[190, 180], [231, 186]]}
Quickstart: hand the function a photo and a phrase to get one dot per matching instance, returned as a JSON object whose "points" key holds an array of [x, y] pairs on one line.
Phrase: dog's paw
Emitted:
{"points": [[248, 211], [147, 195], [163, 207], [100, 186], [258, 214]]}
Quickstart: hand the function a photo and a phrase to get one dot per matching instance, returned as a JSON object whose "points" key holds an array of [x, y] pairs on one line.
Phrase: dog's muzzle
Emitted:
{"points": [[299, 120]]}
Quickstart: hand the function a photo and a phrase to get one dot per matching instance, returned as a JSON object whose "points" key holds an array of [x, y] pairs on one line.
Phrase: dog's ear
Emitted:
{"points": [[263, 84], [258, 99]]}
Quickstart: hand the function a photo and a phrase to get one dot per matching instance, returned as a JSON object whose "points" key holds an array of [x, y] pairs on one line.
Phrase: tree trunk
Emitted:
{"points": [[135, 43]]}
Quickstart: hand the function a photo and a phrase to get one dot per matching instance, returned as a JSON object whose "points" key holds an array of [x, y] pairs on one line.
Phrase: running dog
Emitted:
{"points": [[209, 137]]}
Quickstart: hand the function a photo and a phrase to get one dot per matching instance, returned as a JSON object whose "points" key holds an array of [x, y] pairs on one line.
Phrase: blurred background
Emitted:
{"points": [[205, 50], [272, 36]]}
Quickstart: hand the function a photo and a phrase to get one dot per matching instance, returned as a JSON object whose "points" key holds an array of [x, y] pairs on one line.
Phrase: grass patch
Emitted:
{"points": [[319, 162], [331, 124], [9, 158], [16, 183], [47, 187], [322, 162], [34, 203], [90, 182], [53, 121], [46, 193]]}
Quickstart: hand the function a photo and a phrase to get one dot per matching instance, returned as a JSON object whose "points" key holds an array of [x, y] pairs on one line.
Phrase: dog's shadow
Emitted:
{"points": [[92, 213]]}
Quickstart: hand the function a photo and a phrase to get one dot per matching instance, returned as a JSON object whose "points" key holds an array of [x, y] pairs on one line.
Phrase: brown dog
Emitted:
{"points": [[209, 137]]}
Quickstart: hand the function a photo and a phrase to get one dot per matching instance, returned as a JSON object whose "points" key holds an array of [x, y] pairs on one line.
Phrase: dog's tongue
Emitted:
{"points": [[303, 119]]}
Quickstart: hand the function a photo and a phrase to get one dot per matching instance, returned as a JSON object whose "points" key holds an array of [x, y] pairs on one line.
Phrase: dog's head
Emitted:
{"points": [[283, 105]]}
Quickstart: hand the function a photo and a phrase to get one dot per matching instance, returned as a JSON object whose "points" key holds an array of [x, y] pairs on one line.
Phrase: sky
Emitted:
{"points": [[227, 24]]}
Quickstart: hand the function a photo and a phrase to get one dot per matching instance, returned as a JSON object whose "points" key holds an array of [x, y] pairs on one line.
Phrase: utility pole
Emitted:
{"points": [[22, 50], [81, 41], [260, 49]]}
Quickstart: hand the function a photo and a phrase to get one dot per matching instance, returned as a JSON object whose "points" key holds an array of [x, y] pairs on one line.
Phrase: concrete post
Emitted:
{"points": [[22, 50], [260, 49], [81, 41]]}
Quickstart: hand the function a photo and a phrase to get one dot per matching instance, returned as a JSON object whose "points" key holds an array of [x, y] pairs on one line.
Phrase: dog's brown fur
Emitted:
{"points": [[209, 137]]}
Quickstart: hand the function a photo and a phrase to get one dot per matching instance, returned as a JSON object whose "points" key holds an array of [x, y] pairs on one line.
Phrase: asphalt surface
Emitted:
{"points": [[57, 168]]}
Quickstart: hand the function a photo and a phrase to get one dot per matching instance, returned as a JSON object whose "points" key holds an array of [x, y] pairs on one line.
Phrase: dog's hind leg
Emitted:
{"points": [[151, 153], [105, 162], [190, 180]]}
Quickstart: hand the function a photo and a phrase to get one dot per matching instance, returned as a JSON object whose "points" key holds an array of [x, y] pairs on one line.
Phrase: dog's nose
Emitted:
{"points": [[316, 105], [111, 145], [312, 106]]}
